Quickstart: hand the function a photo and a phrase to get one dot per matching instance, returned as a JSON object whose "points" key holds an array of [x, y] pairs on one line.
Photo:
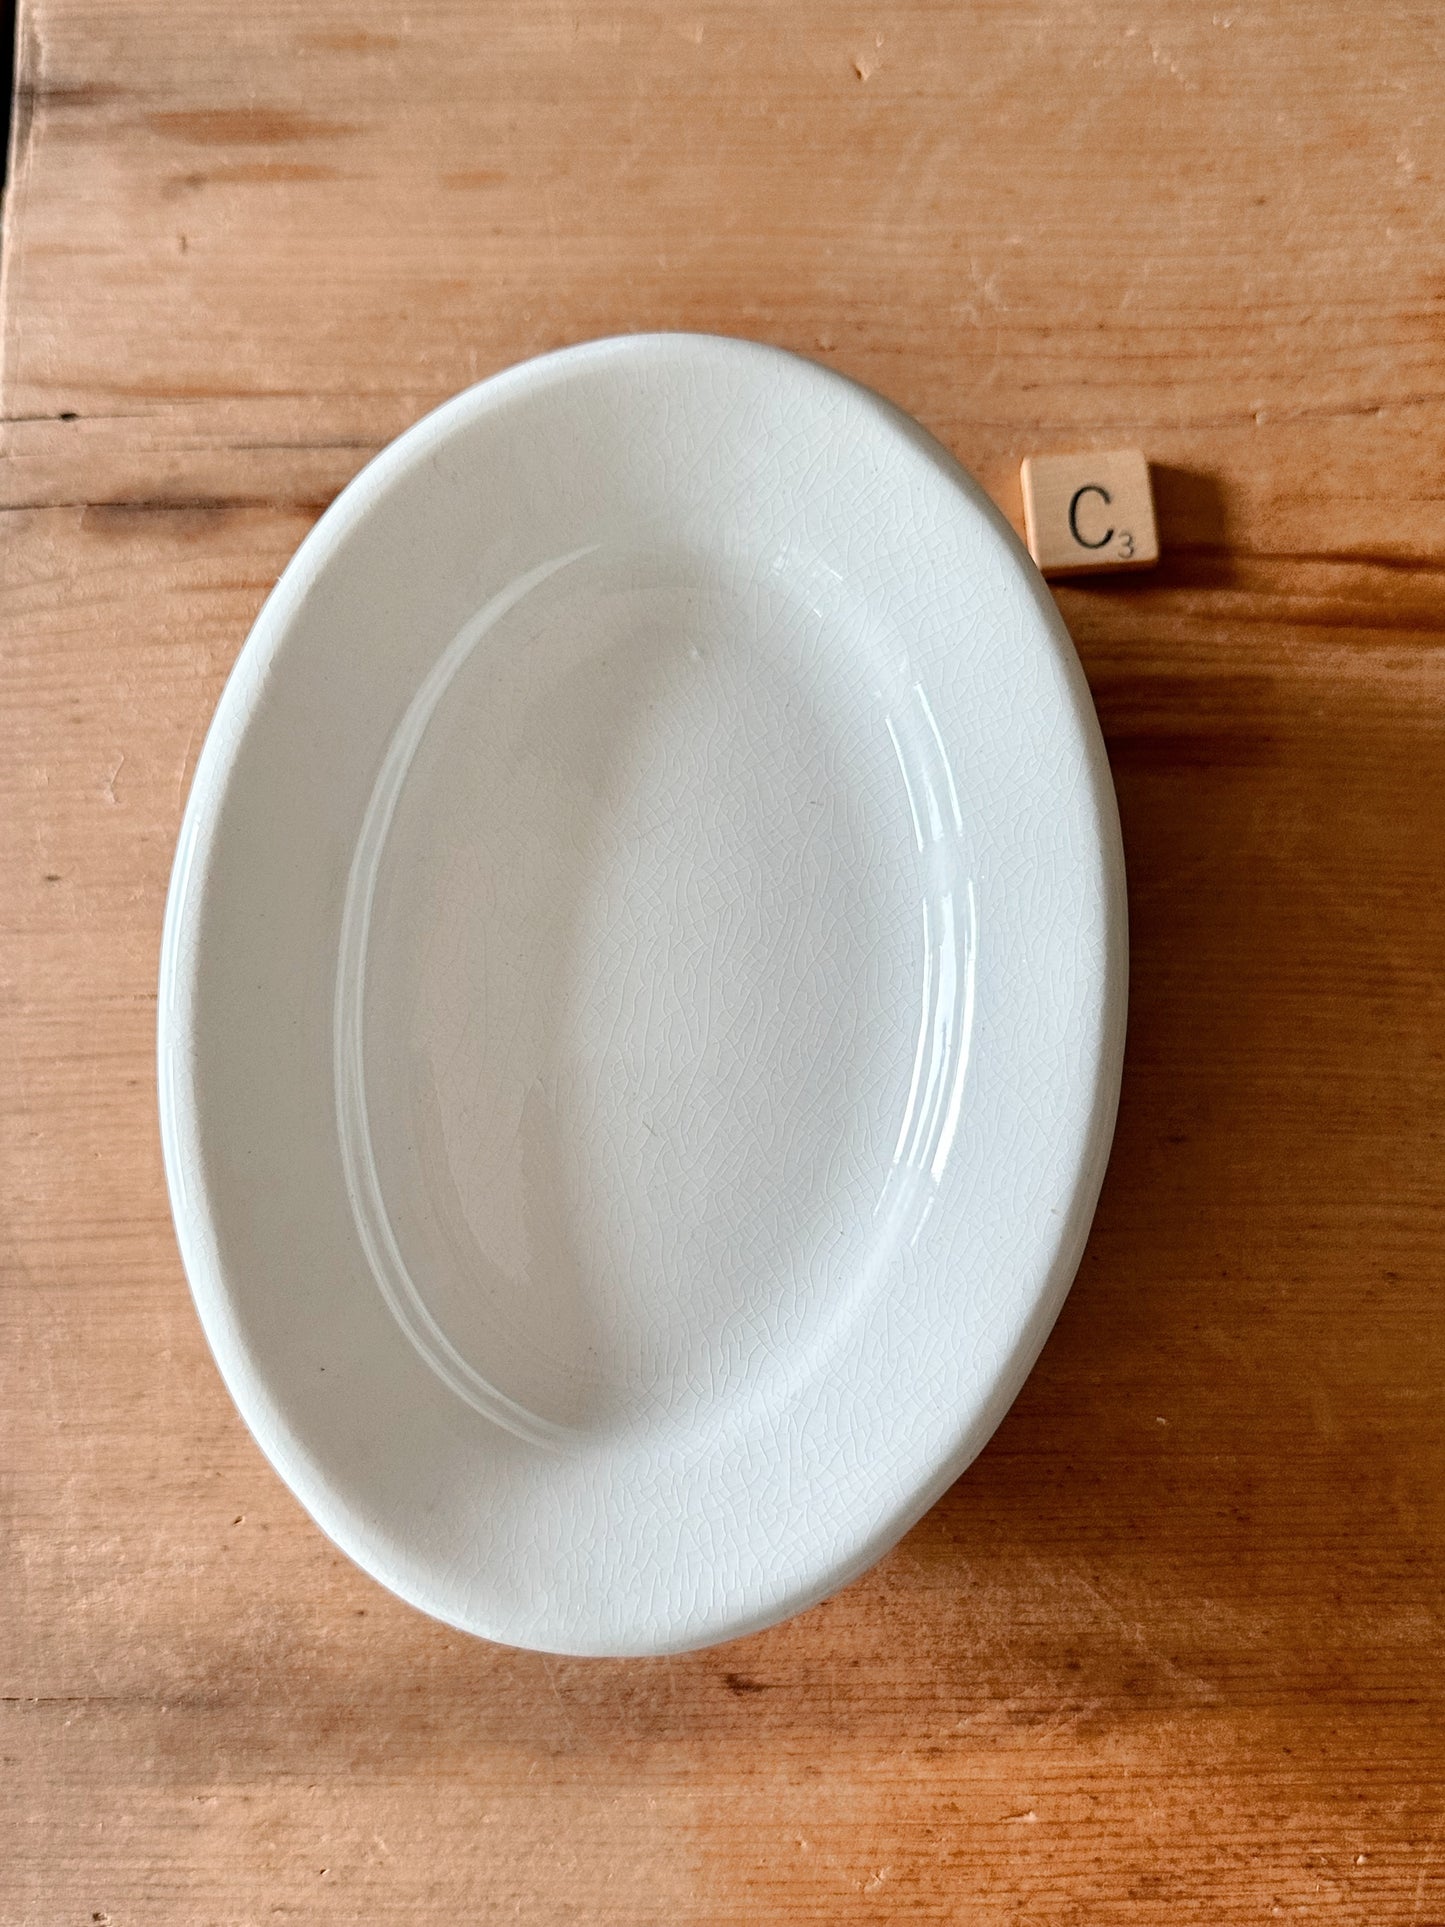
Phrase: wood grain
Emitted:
{"points": [[1174, 1650]]}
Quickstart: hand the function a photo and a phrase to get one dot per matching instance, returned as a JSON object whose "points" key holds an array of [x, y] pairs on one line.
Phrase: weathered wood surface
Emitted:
{"points": [[1174, 1651]]}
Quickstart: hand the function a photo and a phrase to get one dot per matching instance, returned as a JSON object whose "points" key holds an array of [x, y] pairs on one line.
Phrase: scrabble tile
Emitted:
{"points": [[1090, 512]]}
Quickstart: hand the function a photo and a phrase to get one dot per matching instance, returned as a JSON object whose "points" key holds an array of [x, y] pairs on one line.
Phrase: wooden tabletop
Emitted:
{"points": [[1174, 1649]]}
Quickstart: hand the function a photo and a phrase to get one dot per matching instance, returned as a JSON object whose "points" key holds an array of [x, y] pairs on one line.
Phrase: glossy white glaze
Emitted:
{"points": [[642, 996]]}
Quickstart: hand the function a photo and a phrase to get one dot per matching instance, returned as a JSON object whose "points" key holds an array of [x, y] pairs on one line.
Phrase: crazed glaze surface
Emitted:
{"points": [[642, 996]]}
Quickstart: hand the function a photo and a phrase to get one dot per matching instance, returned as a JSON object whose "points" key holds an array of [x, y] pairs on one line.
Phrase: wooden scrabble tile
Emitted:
{"points": [[1089, 512]]}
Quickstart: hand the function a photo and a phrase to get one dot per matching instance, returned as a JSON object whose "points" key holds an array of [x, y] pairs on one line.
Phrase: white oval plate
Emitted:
{"points": [[642, 996]]}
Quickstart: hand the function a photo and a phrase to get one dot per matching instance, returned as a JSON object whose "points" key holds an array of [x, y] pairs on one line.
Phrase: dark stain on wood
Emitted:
{"points": [[246, 126], [1352, 559], [192, 514], [259, 173], [60, 95], [741, 1683]]}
